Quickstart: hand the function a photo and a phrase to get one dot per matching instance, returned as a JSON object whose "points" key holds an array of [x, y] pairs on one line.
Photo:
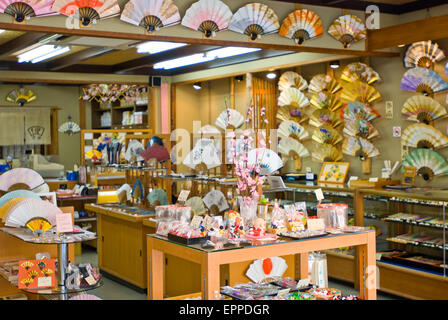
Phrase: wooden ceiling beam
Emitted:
{"points": [[75, 58], [19, 43]]}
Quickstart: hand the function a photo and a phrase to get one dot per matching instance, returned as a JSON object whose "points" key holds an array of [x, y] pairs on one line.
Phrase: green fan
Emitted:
{"points": [[427, 162], [197, 205], [158, 197]]}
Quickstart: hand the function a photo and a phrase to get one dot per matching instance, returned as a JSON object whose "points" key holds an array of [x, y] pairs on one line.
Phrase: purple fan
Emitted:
{"points": [[423, 80], [85, 296]]}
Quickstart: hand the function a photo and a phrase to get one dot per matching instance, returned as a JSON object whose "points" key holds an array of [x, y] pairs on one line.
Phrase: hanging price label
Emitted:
{"points": [[319, 194]]}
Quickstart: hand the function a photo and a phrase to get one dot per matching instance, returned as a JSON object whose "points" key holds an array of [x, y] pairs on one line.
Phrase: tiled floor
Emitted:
{"points": [[112, 290]]}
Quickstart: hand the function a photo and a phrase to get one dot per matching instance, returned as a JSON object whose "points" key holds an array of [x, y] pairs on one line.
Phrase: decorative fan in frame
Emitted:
{"points": [[326, 100], [422, 109], [151, 14], [301, 25], [20, 11], [326, 153], [292, 129], [326, 135], [427, 162], [348, 29], [21, 96], [88, 11], [359, 91], [423, 54], [360, 71], [293, 97], [423, 136], [358, 110], [254, 20], [291, 148], [208, 17], [360, 128], [424, 81], [321, 117], [290, 79], [291, 113], [323, 82]]}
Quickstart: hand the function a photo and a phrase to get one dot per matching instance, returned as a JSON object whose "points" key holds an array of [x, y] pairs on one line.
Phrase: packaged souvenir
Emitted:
{"points": [[235, 225], [296, 215], [278, 222], [335, 215]]}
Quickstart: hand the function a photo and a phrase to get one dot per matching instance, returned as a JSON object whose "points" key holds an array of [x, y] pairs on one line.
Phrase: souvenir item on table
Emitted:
{"points": [[326, 134], [22, 10], [360, 71], [133, 151], [197, 205], [89, 11], [151, 14], [279, 220], [208, 17], [323, 82], [266, 160], [191, 233], [348, 29], [20, 178], [288, 113], [326, 153], [427, 162], [254, 20], [165, 216], [335, 215], [423, 54], [321, 117], [290, 79], [235, 225], [81, 276], [360, 128], [359, 91], [17, 194], [326, 100], [358, 110], [265, 270], [292, 129], [85, 296], [229, 118], [250, 291], [37, 274], [349, 297], [291, 148], [359, 147], [258, 230], [158, 197], [215, 201], [423, 80], [303, 234], [293, 97], [289, 283], [217, 229], [296, 215], [420, 135], [325, 293], [422, 109], [204, 152], [300, 296], [301, 25]]}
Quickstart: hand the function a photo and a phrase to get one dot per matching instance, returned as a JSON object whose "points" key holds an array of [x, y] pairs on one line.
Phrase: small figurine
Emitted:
{"points": [[259, 228]]}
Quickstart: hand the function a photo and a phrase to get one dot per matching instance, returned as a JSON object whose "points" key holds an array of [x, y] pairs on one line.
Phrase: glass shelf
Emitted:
{"points": [[27, 236], [60, 290]]}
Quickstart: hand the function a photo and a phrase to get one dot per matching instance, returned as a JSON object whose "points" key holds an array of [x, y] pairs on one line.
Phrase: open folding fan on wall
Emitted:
{"points": [[151, 14], [423, 54], [292, 129], [204, 152], [427, 162], [69, 127], [290, 79], [291, 113], [208, 17], [301, 25], [423, 136], [423, 80], [21, 96], [291, 148], [348, 29], [326, 100], [359, 147], [326, 135], [254, 20], [266, 159], [20, 178], [229, 119], [326, 153], [323, 82], [359, 91], [358, 110], [293, 97], [360, 71], [422, 109], [22, 10], [321, 117], [88, 11], [360, 128]]}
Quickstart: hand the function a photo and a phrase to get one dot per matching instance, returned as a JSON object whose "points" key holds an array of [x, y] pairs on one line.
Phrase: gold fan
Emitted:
{"points": [[21, 96], [359, 91], [323, 82], [326, 100], [348, 29], [39, 225], [291, 79], [326, 153], [321, 117], [360, 71], [326, 135], [290, 113]]}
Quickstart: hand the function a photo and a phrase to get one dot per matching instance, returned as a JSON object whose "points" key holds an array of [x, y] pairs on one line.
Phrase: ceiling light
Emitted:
{"points": [[2, 30], [401, 45], [230, 52], [42, 53], [334, 64], [271, 75], [153, 47], [197, 86]]}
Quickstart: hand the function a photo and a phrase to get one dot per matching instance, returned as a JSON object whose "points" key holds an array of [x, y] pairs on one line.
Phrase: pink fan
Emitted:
{"points": [[85, 296], [24, 9], [20, 178]]}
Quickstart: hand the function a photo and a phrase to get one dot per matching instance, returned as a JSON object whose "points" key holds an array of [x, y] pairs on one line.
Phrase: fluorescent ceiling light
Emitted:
{"points": [[230, 52], [271, 75], [153, 47], [42, 53], [2, 30]]}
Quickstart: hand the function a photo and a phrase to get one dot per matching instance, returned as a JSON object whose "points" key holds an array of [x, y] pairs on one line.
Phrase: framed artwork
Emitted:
{"points": [[333, 172], [409, 175]]}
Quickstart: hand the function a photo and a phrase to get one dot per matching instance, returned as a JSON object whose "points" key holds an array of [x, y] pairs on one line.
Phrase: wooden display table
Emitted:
{"points": [[210, 261], [55, 184]]}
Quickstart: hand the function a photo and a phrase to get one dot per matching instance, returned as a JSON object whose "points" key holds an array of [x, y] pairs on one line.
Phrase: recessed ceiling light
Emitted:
{"points": [[334, 64], [197, 86], [271, 75]]}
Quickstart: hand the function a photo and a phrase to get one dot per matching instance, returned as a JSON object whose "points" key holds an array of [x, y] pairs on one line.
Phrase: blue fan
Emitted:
{"points": [[138, 192], [158, 195], [423, 80], [18, 194], [268, 160]]}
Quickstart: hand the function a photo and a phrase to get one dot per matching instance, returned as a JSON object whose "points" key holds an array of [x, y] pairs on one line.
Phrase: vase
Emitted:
{"points": [[248, 211]]}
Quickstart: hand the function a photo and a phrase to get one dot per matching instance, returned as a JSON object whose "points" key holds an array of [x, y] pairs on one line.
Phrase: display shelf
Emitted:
{"points": [[60, 290], [421, 221], [433, 243]]}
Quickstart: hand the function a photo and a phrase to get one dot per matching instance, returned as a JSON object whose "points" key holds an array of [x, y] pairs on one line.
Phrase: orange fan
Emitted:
{"points": [[89, 10], [301, 25]]}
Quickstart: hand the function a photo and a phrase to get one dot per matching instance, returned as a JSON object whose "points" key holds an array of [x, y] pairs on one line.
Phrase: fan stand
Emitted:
{"points": [[122, 197], [367, 165], [214, 210], [201, 168], [297, 160]]}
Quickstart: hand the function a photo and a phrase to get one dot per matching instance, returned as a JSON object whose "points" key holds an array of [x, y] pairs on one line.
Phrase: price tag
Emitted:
{"points": [[308, 169], [315, 224], [353, 178], [64, 222], [319, 194], [309, 176], [90, 280], [183, 196], [44, 282], [373, 179], [196, 222], [283, 292], [303, 283]]}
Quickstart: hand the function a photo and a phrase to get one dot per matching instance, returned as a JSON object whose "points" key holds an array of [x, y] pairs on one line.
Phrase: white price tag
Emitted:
{"points": [[319, 194], [183, 196], [309, 176], [353, 178], [44, 282], [303, 283], [373, 179], [315, 224], [283, 292]]}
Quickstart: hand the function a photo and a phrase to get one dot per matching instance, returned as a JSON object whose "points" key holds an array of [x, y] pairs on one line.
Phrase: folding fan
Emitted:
{"points": [[89, 11], [427, 162], [134, 150], [359, 91], [203, 152], [208, 17], [320, 117], [269, 268], [21, 96], [360, 71], [326, 100], [254, 20], [291, 113], [360, 128], [323, 82], [293, 97], [209, 129], [138, 191], [69, 127], [423, 136], [22, 10], [158, 197], [197, 205], [91, 154], [28, 209], [158, 152], [266, 159], [290, 147], [301, 25], [423, 54], [348, 29], [45, 188], [39, 225], [358, 110], [423, 80], [292, 129], [151, 14], [216, 198], [17, 194], [229, 118], [422, 109], [359, 147], [20, 178], [326, 134], [290, 79], [326, 153], [8, 205]]}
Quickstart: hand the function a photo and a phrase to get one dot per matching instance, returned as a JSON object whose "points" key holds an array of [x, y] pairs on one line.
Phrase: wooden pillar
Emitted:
{"points": [[232, 92]]}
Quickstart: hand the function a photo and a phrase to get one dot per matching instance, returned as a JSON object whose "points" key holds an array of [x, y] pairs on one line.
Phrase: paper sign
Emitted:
{"points": [[34, 274], [396, 131], [64, 223], [353, 178], [183, 196], [389, 110], [315, 224], [309, 176], [44, 282], [196, 222], [90, 280], [373, 179], [319, 194]]}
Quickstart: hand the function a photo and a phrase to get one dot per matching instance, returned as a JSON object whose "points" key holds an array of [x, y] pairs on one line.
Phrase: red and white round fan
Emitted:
{"points": [[88, 11], [264, 269]]}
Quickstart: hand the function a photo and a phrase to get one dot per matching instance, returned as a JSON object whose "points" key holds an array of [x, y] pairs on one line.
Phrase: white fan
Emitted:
{"points": [[134, 150], [216, 198], [196, 204], [291, 79], [293, 97], [289, 146], [29, 209], [69, 128], [229, 117], [266, 159], [203, 152], [266, 269], [209, 129], [293, 129]]}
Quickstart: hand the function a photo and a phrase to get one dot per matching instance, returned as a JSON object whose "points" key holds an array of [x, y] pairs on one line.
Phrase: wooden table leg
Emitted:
{"points": [[156, 282], [210, 278], [370, 262], [302, 267]]}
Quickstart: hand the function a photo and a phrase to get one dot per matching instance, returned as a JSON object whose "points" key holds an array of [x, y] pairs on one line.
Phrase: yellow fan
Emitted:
{"points": [[348, 29], [423, 136], [293, 97], [27, 265], [360, 71], [9, 205], [326, 153], [360, 128], [39, 225], [21, 96], [33, 274], [326, 134], [291, 79], [94, 154], [301, 25], [423, 54], [326, 100], [323, 82], [359, 91], [422, 109], [291, 113], [321, 117]]}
